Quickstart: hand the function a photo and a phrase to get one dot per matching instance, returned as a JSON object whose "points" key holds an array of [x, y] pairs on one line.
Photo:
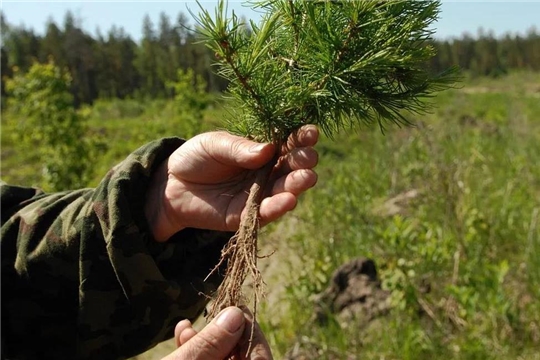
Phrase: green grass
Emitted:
{"points": [[472, 233], [119, 126]]}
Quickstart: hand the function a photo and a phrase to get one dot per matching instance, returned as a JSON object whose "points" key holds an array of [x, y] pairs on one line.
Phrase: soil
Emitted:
{"points": [[354, 298]]}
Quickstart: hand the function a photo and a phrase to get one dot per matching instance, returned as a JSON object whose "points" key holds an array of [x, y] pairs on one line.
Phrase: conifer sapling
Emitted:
{"points": [[335, 64]]}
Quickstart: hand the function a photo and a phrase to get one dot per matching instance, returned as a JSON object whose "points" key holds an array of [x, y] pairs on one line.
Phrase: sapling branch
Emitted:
{"points": [[335, 64], [243, 79], [296, 31]]}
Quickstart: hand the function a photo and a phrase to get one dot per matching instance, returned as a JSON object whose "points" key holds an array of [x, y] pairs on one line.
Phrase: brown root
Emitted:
{"points": [[240, 254]]}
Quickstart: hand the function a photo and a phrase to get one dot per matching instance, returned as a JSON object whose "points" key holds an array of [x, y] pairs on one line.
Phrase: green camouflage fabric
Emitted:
{"points": [[82, 277]]}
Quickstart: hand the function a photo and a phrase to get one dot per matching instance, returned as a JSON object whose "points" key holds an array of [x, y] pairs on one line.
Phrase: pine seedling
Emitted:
{"points": [[335, 64]]}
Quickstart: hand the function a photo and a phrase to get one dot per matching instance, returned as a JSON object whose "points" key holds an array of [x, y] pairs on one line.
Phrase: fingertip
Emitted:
{"points": [[253, 344], [262, 153], [257, 148], [272, 208], [179, 329], [252, 155], [309, 135], [305, 136], [216, 340], [295, 182], [186, 335], [230, 319], [182, 325]]}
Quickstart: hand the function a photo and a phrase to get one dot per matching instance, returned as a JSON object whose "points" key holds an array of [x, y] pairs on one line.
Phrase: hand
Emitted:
{"points": [[225, 337], [205, 183]]}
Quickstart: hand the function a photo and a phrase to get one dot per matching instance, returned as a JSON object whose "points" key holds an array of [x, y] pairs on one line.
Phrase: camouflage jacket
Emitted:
{"points": [[82, 277]]}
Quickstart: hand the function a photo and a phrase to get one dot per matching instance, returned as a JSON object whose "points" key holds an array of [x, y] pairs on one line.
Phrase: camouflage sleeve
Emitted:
{"points": [[83, 279]]}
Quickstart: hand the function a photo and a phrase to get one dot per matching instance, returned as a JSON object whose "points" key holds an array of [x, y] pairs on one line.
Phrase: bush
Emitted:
{"points": [[47, 120]]}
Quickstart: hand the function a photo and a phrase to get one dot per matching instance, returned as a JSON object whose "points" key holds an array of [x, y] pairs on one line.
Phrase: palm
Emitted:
{"points": [[213, 198], [207, 181]]}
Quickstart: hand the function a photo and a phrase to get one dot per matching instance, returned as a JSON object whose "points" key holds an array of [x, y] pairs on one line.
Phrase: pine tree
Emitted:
{"points": [[51, 45], [147, 62], [532, 49], [336, 64], [166, 63], [118, 76], [79, 55], [22, 46]]}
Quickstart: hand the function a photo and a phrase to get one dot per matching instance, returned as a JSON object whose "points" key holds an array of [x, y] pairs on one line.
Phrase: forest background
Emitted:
{"points": [[447, 209], [113, 65]]}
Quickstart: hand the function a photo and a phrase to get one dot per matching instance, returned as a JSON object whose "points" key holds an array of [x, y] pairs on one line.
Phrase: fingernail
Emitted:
{"points": [[230, 319], [257, 148]]}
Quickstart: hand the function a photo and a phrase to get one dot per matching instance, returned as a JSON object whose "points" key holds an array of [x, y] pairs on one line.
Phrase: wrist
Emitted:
{"points": [[158, 209]]}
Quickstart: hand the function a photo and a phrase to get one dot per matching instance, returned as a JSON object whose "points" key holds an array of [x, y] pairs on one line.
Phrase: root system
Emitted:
{"points": [[241, 254]]}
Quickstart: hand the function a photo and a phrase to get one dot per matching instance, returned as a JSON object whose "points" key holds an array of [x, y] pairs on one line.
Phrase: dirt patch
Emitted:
{"points": [[354, 297], [354, 294]]}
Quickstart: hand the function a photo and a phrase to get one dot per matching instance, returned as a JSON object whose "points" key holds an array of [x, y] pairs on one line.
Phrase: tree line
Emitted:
{"points": [[488, 55], [113, 65]]}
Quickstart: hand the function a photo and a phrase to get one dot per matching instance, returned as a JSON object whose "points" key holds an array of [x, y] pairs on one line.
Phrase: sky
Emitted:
{"points": [[456, 18]]}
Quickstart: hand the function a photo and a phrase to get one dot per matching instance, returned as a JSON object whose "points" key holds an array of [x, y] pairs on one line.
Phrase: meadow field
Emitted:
{"points": [[448, 209]]}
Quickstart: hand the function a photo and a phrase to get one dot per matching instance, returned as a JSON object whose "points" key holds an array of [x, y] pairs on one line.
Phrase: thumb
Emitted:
{"points": [[216, 341], [237, 151]]}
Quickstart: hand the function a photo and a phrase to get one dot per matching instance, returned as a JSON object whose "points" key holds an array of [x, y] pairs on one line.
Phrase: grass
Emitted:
{"points": [[472, 232]]}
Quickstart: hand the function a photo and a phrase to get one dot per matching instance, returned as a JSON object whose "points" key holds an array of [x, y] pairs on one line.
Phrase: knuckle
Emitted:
{"points": [[209, 345], [237, 147]]}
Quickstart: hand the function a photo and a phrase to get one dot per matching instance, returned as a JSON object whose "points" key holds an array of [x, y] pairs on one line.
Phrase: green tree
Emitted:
{"points": [[78, 50], [52, 45], [147, 62], [117, 76], [190, 99], [532, 49], [22, 45], [48, 120], [487, 59], [167, 43], [336, 64]]}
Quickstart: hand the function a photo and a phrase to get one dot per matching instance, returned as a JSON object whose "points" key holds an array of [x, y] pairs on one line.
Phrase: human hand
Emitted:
{"points": [[205, 182], [226, 337]]}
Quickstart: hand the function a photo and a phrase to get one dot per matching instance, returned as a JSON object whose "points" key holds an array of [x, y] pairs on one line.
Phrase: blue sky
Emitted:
{"points": [[457, 17]]}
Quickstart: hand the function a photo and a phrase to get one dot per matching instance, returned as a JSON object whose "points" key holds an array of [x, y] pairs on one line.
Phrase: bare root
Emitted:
{"points": [[240, 254]]}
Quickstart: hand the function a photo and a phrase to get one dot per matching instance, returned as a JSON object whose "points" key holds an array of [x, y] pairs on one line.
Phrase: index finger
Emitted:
{"points": [[306, 136], [258, 347]]}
